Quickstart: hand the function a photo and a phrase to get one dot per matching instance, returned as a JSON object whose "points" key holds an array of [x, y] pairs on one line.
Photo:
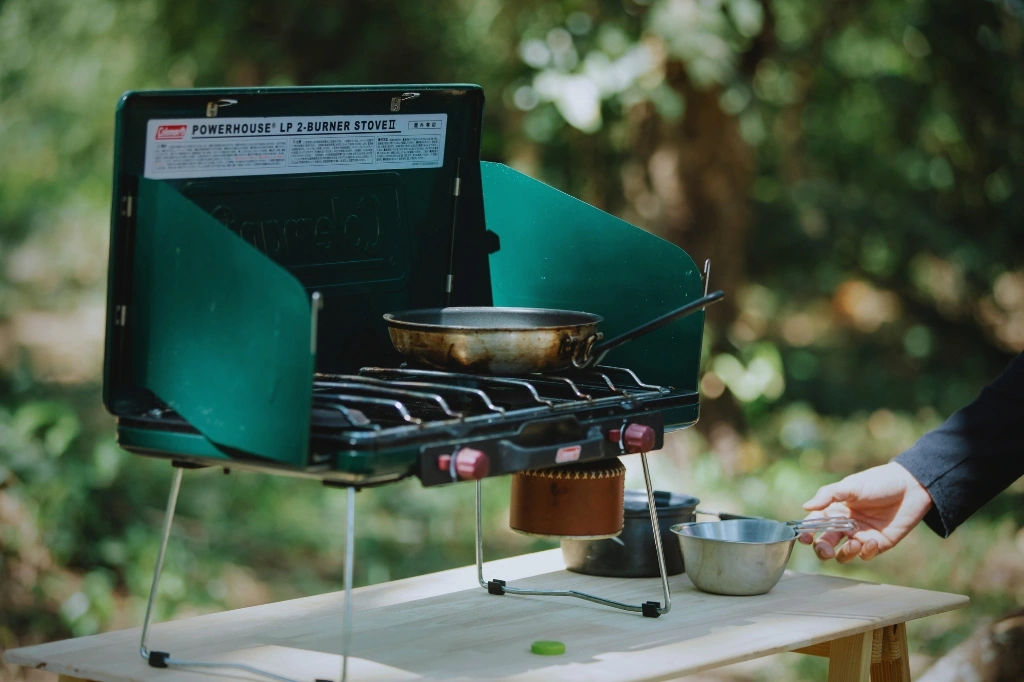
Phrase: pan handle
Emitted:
{"points": [[578, 348], [598, 352]]}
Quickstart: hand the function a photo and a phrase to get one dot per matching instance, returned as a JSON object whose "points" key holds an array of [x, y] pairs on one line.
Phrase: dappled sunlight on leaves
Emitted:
{"points": [[1003, 311], [864, 306]]}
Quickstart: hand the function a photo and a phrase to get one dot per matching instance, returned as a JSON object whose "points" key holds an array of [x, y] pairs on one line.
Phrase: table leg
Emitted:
{"points": [[850, 659], [894, 665]]}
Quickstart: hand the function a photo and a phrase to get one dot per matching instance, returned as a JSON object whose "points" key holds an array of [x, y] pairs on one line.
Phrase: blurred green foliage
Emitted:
{"points": [[854, 170]]}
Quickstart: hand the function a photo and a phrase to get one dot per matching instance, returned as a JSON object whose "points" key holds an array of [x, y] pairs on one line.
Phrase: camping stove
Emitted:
{"points": [[258, 236]]}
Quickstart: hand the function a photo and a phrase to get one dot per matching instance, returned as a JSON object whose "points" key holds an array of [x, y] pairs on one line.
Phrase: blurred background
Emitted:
{"points": [[853, 169]]}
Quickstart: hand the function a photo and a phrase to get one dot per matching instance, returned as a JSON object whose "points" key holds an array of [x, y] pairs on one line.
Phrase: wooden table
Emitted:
{"points": [[442, 626]]}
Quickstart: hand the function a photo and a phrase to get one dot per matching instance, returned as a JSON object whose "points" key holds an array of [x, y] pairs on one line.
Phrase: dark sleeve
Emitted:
{"points": [[976, 453]]}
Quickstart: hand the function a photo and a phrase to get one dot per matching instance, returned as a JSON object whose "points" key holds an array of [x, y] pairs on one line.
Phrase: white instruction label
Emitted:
{"points": [[284, 145]]}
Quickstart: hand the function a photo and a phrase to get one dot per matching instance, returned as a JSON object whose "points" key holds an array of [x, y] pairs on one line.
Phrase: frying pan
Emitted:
{"points": [[513, 340]]}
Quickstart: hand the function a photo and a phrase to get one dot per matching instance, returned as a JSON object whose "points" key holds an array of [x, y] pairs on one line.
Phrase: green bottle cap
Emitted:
{"points": [[547, 647]]}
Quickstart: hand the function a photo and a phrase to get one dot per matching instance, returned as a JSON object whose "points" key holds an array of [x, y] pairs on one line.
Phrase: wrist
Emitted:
{"points": [[915, 489]]}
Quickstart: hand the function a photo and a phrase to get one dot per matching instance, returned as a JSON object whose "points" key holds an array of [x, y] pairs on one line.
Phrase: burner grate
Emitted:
{"points": [[402, 398]]}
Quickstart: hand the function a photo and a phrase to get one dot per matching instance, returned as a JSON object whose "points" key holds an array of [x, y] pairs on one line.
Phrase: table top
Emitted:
{"points": [[443, 626]]}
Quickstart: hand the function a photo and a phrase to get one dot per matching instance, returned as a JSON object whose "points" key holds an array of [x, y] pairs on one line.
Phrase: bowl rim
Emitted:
{"points": [[680, 528]]}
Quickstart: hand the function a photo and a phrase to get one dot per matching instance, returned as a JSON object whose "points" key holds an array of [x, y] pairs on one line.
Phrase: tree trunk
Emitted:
{"points": [[699, 173], [995, 653]]}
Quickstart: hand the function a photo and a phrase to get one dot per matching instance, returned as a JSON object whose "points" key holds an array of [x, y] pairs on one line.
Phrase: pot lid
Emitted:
{"points": [[635, 503]]}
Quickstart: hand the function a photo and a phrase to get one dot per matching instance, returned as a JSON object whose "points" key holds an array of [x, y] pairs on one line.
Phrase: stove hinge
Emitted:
{"points": [[396, 102], [127, 213], [122, 262]]}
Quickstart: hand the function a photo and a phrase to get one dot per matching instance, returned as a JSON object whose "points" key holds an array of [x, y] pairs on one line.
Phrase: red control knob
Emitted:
{"points": [[638, 438], [470, 464]]}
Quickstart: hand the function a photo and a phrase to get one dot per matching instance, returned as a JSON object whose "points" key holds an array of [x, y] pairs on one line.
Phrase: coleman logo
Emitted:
{"points": [[569, 453], [348, 231], [171, 132]]}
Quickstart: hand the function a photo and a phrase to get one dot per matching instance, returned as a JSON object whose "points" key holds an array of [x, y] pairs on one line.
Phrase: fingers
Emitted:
{"points": [[865, 545], [825, 547], [867, 542], [829, 540], [872, 543], [808, 538], [849, 551]]}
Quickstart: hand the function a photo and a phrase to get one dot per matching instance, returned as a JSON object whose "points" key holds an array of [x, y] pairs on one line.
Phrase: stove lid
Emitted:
{"points": [[350, 190]]}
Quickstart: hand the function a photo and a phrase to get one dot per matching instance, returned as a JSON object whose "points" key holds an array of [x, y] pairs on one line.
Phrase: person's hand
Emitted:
{"points": [[885, 501]]}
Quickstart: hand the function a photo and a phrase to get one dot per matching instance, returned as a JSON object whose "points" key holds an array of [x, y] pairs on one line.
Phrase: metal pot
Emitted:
{"points": [[744, 557], [632, 553]]}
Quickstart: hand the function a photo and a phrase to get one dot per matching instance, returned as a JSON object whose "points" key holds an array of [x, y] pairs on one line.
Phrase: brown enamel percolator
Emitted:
{"points": [[577, 501]]}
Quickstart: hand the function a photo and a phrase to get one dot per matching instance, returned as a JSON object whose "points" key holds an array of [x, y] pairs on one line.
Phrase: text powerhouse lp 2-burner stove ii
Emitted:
{"points": [[258, 238]]}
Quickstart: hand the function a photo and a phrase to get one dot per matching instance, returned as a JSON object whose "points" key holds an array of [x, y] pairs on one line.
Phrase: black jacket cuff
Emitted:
{"points": [[921, 469]]}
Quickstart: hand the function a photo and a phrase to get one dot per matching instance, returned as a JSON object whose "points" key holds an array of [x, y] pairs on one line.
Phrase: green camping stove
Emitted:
{"points": [[258, 236]]}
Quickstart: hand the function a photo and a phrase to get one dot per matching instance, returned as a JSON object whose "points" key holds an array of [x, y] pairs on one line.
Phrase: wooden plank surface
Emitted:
{"points": [[441, 626]]}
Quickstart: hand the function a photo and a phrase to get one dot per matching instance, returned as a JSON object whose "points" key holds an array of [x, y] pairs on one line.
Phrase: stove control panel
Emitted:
{"points": [[540, 444]]}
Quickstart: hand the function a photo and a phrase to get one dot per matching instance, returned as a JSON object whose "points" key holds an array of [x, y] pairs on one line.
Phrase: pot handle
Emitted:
{"points": [[831, 523]]}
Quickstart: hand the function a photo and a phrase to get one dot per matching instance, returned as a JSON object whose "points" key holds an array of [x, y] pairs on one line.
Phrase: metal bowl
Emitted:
{"points": [[744, 557], [740, 557]]}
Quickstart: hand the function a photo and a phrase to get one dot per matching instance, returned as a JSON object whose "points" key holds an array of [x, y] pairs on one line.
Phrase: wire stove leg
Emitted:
{"points": [[163, 659], [657, 542], [172, 501], [350, 553], [650, 609]]}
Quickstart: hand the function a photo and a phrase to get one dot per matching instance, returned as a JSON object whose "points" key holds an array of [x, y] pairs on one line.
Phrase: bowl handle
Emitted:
{"points": [[821, 525]]}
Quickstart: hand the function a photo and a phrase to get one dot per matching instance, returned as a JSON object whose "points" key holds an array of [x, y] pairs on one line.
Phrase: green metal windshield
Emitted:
{"points": [[222, 334], [559, 252]]}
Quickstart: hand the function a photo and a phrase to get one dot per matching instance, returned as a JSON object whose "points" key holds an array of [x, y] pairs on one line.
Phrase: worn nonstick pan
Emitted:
{"points": [[513, 340]]}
